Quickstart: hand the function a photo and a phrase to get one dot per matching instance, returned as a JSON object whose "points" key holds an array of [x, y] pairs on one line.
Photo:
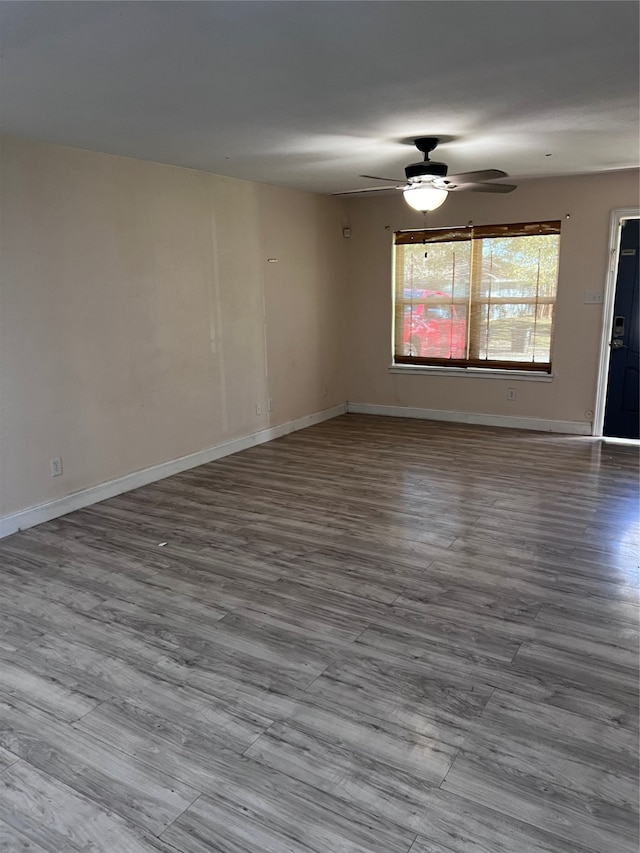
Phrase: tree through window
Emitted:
{"points": [[476, 297]]}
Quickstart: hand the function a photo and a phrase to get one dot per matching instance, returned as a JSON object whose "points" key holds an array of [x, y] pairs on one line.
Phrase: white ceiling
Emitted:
{"points": [[312, 94]]}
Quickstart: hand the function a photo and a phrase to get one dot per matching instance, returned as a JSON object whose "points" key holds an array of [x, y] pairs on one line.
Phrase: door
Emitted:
{"points": [[622, 415]]}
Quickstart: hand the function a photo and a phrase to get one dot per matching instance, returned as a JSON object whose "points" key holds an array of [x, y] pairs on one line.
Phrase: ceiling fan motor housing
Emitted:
{"points": [[416, 172]]}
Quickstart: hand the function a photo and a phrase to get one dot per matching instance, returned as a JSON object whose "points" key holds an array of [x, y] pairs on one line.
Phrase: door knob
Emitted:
{"points": [[616, 343]]}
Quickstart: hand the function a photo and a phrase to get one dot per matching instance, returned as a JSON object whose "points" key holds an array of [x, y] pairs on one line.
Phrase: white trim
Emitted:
{"points": [[617, 216], [627, 442], [509, 421], [85, 497], [476, 372]]}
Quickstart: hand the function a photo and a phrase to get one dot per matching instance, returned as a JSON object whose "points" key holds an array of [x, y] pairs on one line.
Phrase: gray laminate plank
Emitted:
{"points": [[66, 541], [603, 745], [486, 632], [94, 667], [622, 608], [240, 478], [607, 682], [309, 608], [226, 559], [53, 588], [186, 743], [7, 759], [564, 620], [458, 589], [421, 845], [594, 784], [367, 778], [432, 592], [180, 520], [344, 577], [596, 824], [185, 748], [101, 659], [456, 629], [531, 530], [374, 539], [535, 588], [71, 538], [353, 572], [273, 698], [422, 613], [423, 758], [442, 692], [268, 691], [132, 583], [386, 562], [449, 819], [608, 653], [338, 514], [556, 685], [269, 825], [564, 572], [105, 677], [396, 691], [229, 637], [12, 841], [147, 798], [57, 818], [51, 617], [197, 757], [217, 590], [15, 632], [458, 826], [162, 606], [564, 567], [164, 629], [41, 689]]}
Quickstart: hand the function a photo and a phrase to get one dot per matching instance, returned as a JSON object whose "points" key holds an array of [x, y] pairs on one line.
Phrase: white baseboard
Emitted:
{"points": [[61, 506], [538, 424]]}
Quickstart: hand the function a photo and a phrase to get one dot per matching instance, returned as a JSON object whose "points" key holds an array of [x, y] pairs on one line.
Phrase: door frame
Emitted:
{"points": [[615, 230]]}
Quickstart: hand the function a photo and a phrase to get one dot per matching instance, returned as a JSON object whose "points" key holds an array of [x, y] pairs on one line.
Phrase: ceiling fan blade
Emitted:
{"points": [[483, 188], [368, 190], [378, 178], [475, 177]]}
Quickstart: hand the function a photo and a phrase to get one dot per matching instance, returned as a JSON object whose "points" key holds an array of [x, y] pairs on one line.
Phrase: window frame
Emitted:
{"points": [[471, 365]]}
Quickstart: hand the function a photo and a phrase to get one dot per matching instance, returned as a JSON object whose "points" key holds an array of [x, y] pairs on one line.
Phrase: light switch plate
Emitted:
{"points": [[593, 297]]}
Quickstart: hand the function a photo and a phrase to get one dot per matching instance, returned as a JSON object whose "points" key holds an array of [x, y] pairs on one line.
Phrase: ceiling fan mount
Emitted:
{"points": [[426, 144], [417, 172]]}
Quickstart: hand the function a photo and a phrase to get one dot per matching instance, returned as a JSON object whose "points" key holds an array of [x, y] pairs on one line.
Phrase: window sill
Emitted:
{"points": [[477, 372]]}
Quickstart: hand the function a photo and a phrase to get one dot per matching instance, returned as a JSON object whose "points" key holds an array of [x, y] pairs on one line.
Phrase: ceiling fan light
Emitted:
{"points": [[424, 198]]}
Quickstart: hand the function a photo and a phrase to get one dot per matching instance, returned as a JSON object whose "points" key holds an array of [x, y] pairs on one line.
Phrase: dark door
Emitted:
{"points": [[621, 415]]}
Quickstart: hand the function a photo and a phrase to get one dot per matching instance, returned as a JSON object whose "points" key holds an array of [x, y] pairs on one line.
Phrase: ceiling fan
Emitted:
{"points": [[428, 183]]}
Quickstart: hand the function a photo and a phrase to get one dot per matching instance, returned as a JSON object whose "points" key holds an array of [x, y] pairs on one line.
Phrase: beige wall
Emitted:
{"points": [[588, 200], [140, 320]]}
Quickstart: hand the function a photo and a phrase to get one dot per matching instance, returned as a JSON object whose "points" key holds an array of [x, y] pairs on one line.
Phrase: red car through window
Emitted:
{"points": [[432, 326]]}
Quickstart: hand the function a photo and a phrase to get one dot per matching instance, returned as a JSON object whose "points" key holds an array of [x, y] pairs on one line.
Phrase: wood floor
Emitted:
{"points": [[371, 636]]}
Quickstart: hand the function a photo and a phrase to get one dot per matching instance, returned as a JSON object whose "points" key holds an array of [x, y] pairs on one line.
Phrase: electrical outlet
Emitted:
{"points": [[269, 405], [258, 408], [56, 466], [511, 393]]}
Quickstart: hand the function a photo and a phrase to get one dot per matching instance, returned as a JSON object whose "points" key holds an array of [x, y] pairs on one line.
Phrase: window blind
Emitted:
{"points": [[478, 296]]}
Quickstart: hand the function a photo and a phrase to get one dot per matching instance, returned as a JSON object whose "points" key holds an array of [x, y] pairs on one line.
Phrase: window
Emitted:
{"points": [[476, 297]]}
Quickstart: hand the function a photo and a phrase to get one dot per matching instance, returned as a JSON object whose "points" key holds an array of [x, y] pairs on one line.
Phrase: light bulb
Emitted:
{"points": [[424, 198]]}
